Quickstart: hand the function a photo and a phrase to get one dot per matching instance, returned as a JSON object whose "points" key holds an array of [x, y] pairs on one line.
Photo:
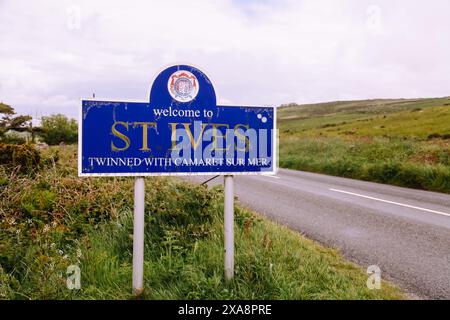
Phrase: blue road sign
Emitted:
{"points": [[180, 130]]}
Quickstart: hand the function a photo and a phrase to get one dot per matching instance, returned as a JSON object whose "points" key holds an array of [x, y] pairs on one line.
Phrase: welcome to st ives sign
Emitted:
{"points": [[180, 131]]}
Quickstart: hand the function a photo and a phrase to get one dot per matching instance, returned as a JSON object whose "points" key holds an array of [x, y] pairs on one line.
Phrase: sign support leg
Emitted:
{"points": [[138, 236], [229, 227]]}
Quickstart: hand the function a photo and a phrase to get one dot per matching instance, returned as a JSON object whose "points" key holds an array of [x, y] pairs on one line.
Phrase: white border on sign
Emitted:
{"points": [[159, 174]]}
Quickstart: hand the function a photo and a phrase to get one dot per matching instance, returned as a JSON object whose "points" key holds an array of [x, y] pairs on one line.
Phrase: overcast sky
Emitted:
{"points": [[52, 53]]}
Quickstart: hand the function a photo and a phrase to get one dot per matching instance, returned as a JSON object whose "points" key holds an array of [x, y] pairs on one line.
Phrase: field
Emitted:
{"points": [[400, 142], [51, 219]]}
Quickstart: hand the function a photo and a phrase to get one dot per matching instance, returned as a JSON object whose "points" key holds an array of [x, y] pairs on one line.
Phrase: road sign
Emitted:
{"points": [[180, 131]]}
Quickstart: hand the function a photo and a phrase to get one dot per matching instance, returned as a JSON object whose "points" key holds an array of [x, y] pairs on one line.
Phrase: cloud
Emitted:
{"points": [[53, 53]]}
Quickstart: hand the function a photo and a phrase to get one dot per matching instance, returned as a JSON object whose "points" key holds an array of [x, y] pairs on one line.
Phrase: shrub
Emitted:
{"points": [[412, 176], [24, 157], [384, 173], [58, 128], [13, 138], [11, 124], [38, 204]]}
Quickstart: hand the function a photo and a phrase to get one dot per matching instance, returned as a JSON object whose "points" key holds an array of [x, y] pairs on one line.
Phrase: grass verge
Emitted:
{"points": [[53, 219]]}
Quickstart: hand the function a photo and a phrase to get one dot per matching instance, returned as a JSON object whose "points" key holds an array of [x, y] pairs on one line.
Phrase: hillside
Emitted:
{"points": [[402, 142]]}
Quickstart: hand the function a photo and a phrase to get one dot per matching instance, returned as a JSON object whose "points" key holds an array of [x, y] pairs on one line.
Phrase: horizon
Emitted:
{"points": [[284, 105]]}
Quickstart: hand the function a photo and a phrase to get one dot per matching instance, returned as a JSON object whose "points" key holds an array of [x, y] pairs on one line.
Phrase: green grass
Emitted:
{"points": [[401, 142], [52, 219]]}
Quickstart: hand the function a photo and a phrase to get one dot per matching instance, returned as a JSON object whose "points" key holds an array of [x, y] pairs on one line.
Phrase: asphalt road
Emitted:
{"points": [[403, 231]]}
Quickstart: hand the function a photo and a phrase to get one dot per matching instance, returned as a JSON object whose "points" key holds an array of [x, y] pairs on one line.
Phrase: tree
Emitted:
{"points": [[58, 128], [10, 121]]}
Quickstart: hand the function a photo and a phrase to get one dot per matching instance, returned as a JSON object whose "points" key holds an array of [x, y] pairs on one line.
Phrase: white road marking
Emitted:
{"points": [[275, 177], [392, 202]]}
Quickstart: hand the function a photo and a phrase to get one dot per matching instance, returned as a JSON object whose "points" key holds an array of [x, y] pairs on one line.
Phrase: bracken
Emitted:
{"points": [[25, 157]]}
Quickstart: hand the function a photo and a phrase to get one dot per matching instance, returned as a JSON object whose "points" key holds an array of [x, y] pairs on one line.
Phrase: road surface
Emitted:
{"points": [[403, 231]]}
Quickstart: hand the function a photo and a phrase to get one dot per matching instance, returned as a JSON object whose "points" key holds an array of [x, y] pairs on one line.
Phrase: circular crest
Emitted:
{"points": [[183, 86]]}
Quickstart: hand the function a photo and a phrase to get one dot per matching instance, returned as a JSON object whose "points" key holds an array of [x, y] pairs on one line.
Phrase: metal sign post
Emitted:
{"points": [[229, 226], [138, 236]]}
